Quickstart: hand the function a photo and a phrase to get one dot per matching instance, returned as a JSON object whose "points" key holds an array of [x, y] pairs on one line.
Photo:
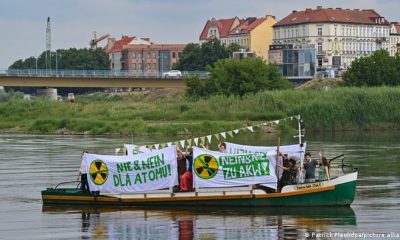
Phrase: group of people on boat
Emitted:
{"points": [[291, 170]]}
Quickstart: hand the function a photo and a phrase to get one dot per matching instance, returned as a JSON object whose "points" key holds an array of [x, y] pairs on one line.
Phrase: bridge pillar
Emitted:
{"points": [[50, 93]]}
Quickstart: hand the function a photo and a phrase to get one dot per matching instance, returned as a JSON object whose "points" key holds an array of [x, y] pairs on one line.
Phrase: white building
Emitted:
{"points": [[340, 35], [394, 38]]}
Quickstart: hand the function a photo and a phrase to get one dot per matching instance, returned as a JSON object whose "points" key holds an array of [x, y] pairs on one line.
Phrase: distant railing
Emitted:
{"points": [[97, 73]]}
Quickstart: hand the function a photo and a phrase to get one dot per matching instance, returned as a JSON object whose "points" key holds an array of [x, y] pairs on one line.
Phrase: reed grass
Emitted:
{"points": [[336, 109]]}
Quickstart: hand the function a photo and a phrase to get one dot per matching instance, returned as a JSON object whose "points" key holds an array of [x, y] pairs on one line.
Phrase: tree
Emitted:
{"points": [[238, 77], [197, 57], [375, 70]]}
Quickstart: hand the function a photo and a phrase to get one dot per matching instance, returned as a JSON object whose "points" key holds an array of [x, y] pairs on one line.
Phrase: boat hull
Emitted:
{"points": [[338, 192]]}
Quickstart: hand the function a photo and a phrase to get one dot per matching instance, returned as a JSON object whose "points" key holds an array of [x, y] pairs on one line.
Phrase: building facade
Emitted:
{"points": [[394, 38], [114, 49], [294, 62], [251, 34], [339, 35], [151, 60]]}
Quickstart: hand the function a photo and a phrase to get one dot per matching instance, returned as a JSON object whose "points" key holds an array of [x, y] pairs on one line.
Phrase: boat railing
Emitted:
{"points": [[63, 183]]}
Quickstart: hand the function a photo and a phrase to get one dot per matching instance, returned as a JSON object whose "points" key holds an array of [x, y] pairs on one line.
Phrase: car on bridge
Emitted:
{"points": [[172, 73]]}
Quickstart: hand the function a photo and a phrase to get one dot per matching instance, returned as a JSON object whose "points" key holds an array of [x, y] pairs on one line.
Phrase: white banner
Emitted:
{"points": [[132, 149], [291, 150], [216, 169], [137, 173]]}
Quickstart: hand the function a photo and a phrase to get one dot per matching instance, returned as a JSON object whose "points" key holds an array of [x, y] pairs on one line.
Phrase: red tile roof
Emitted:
{"points": [[224, 25], [247, 25], [331, 15], [119, 44]]}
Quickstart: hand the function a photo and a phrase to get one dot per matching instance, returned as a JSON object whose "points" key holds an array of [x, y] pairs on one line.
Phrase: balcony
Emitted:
{"points": [[321, 52], [380, 39]]}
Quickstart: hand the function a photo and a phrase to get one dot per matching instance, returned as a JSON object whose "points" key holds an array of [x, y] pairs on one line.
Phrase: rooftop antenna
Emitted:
{"points": [[48, 44]]}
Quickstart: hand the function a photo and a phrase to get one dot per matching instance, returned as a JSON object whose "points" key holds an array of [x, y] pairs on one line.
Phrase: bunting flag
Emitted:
{"points": [[216, 136], [182, 142], [230, 133], [117, 150], [223, 134], [209, 138]]}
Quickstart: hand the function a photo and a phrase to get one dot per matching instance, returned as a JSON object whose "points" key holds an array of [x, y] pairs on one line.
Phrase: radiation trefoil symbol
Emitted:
{"points": [[98, 172], [206, 166]]}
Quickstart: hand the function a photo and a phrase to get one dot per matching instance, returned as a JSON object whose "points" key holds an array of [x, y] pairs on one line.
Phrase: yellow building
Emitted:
{"points": [[252, 34]]}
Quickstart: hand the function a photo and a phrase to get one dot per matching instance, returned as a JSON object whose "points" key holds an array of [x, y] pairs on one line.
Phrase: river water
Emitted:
{"points": [[29, 164]]}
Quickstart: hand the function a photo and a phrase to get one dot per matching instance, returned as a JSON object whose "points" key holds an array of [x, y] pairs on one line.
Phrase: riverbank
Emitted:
{"points": [[172, 113]]}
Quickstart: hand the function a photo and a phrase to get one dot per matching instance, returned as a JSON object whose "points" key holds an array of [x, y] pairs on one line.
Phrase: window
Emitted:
{"points": [[319, 47], [134, 66], [133, 55], [139, 55], [173, 55], [153, 54], [148, 55], [319, 31]]}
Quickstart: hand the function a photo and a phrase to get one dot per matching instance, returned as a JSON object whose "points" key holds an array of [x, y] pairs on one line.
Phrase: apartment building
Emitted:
{"points": [[254, 35], [153, 59], [394, 38], [339, 35]]}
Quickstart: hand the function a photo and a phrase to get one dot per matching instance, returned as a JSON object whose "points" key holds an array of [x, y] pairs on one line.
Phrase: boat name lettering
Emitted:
{"points": [[308, 186]]}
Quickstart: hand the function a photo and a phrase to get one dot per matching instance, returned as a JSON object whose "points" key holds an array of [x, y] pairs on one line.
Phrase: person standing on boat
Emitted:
{"points": [[83, 175], [309, 168], [324, 168], [289, 173], [222, 147]]}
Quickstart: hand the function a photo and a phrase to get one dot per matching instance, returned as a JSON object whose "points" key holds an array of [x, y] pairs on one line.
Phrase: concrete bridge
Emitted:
{"points": [[93, 78]]}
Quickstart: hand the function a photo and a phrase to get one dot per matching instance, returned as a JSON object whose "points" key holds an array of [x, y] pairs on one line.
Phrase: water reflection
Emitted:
{"points": [[205, 223]]}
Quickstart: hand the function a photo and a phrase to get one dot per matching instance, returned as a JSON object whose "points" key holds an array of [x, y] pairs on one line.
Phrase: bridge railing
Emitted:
{"points": [[94, 73]]}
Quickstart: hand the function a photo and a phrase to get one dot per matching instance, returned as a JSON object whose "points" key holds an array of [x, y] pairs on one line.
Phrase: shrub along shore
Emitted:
{"points": [[159, 113]]}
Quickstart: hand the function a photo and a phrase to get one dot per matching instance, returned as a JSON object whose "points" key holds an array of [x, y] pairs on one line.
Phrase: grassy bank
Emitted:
{"points": [[157, 112]]}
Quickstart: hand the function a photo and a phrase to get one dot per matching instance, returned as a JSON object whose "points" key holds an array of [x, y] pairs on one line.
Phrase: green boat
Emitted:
{"points": [[339, 191]]}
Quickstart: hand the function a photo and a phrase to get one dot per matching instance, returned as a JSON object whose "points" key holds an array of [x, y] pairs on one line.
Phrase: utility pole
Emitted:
{"points": [[48, 44]]}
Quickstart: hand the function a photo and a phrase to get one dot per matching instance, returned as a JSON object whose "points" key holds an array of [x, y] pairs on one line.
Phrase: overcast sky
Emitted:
{"points": [[23, 22]]}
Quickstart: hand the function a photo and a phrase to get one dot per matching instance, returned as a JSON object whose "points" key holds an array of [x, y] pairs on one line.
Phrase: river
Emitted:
{"points": [[29, 164]]}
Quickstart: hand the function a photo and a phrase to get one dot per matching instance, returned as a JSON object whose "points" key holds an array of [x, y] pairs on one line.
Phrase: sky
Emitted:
{"points": [[23, 22]]}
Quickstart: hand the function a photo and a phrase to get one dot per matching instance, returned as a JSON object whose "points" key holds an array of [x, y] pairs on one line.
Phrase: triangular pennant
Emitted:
{"points": [[223, 134], [291, 118], [203, 140], [236, 131], [196, 141], [216, 136], [230, 133], [150, 147], [157, 146], [169, 144], [250, 128], [297, 117], [117, 150], [182, 142], [276, 122], [209, 138], [189, 141], [264, 124]]}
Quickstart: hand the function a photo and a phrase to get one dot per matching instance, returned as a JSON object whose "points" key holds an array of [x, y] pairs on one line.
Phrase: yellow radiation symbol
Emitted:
{"points": [[98, 172], [206, 166]]}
